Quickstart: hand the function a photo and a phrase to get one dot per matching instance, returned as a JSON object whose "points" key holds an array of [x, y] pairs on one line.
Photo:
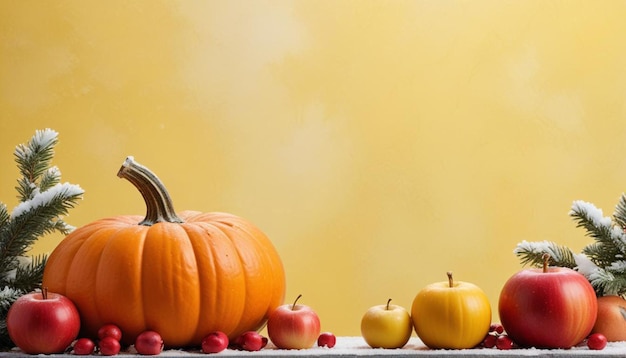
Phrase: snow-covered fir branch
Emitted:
{"points": [[59, 192], [33, 161], [591, 212], [44, 201], [532, 253], [8, 295], [600, 227]]}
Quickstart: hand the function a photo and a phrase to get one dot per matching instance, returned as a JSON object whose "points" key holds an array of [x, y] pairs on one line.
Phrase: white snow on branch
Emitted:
{"points": [[592, 212], [42, 139], [45, 137], [617, 266], [42, 199], [585, 266], [53, 171], [535, 247], [598, 220]]}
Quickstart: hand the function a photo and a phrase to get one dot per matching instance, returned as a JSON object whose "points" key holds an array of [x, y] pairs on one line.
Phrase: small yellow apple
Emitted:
{"points": [[386, 326]]}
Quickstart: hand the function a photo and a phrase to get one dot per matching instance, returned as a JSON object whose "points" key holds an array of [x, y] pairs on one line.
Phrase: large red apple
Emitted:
{"points": [[293, 326], [43, 322], [553, 307], [611, 321]]}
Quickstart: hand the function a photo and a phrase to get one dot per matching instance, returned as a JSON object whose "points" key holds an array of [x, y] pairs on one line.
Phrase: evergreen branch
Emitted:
{"points": [[49, 178], [587, 216], [532, 253], [34, 218], [63, 227], [43, 203], [8, 295], [25, 189], [33, 159], [620, 212], [27, 277], [602, 254], [606, 283], [4, 217], [610, 239]]}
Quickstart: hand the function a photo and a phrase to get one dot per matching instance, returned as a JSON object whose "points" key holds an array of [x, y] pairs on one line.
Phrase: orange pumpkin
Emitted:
{"points": [[183, 275]]}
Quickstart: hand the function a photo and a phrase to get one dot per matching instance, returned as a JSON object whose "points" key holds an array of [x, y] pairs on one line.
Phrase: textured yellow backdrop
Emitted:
{"points": [[378, 143]]}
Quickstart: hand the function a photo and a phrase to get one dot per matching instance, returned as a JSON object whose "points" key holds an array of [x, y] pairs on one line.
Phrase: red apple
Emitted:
{"points": [[43, 322], [548, 308], [149, 343], [293, 326], [215, 342], [326, 339]]}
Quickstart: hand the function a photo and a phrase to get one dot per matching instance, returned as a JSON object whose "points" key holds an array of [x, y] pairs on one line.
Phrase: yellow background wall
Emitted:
{"points": [[378, 143]]}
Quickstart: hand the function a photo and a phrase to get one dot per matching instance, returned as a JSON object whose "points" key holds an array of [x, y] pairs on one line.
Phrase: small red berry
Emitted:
{"points": [[497, 328], [489, 341], [596, 341], [504, 342], [149, 343], [110, 330], [84, 347], [250, 341], [215, 342], [326, 339], [109, 346]]}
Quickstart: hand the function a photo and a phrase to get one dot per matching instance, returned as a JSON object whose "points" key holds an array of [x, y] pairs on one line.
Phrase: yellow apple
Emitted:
{"points": [[386, 326], [451, 314]]}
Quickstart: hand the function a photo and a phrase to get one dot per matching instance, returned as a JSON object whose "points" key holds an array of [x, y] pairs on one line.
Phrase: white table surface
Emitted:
{"points": [[356, 347]]}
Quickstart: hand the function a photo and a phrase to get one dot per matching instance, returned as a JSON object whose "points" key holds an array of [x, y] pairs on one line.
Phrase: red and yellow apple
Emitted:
{"points": [[43, 322], [293, 326], [552, 307], [451, 314], [386, 326], [611, 320]]}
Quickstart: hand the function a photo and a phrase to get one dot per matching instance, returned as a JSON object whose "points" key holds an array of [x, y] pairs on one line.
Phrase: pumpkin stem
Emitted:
{"points": [[159, 206], [546, 259]]}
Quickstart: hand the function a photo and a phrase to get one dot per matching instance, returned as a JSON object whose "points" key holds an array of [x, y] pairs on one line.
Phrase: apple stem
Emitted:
{"points": [[450, 281], [546, 258], [293, 307], [44, 293], [388, 302]]}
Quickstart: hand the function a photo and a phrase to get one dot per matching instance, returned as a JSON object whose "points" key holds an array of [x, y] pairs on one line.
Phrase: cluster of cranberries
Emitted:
{"points": [[496, 337], [151, 343], [108, 344], [251, 341]]}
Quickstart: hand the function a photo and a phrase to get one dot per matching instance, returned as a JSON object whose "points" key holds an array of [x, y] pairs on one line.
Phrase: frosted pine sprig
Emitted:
{"points": [[64, 194], [44, 201], [602, 262], [532, 253]]}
